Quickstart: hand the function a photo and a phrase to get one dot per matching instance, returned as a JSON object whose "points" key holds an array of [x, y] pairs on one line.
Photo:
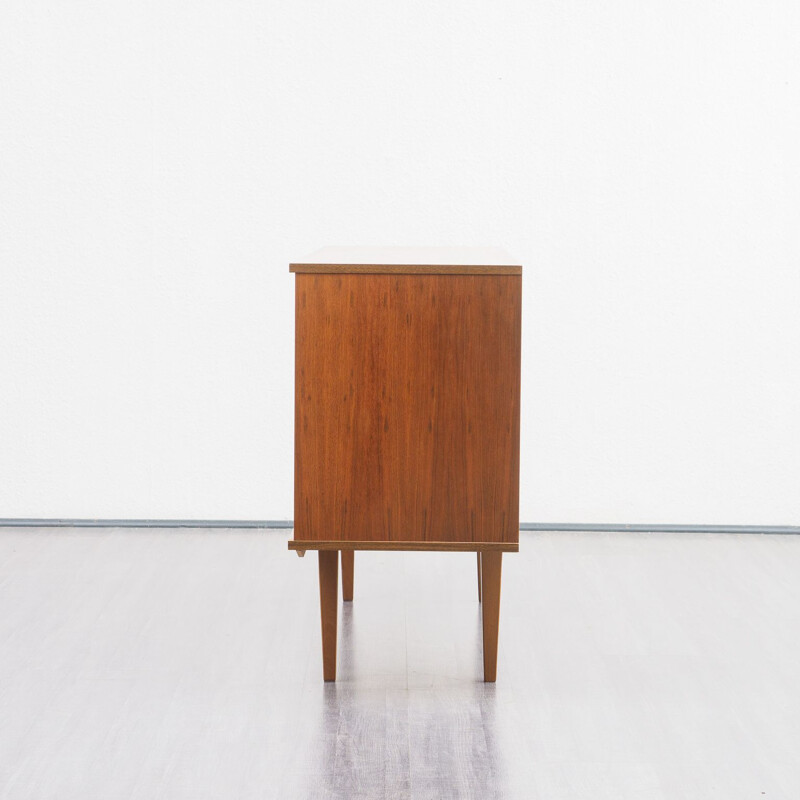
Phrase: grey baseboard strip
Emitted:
{"points": [[145, 523], [288, 524], [612, 527]]}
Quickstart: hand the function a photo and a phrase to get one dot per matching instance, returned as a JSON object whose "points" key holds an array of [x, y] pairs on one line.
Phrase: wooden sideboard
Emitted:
{"points": [[407, 388]]}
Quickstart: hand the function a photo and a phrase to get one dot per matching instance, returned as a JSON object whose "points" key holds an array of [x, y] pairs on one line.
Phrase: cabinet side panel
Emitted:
{"points": [[407, 407]]}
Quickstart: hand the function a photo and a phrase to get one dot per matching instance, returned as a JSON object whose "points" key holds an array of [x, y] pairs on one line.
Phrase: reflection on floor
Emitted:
{"points": [[187, 664]]}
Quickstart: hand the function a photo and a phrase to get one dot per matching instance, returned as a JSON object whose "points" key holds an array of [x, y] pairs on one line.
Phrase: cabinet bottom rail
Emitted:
{"points": [[462, 547]]}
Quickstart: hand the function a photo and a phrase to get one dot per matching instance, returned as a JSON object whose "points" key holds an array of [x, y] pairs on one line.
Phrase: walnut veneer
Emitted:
{"points": [[407, 384]]}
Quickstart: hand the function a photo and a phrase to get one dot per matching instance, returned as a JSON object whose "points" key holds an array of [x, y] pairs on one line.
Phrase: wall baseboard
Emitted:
{"points": [[287, 524], [657, 528], [144, 523]]}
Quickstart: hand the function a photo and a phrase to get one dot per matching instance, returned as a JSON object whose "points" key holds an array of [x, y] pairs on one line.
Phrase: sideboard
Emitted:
{"points": [[407, 414]]}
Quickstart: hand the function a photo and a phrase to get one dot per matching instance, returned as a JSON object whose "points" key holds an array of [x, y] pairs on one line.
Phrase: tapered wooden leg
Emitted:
{"points": [[491, 564], [479, 575], [348, 557], [329, 609]]}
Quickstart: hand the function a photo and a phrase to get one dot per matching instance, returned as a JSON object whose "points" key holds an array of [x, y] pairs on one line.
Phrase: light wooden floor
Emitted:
{"points": [[187, 664]]}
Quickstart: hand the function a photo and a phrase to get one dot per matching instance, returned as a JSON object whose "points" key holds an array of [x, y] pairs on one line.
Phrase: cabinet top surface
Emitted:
{"points": [[481, 260]]}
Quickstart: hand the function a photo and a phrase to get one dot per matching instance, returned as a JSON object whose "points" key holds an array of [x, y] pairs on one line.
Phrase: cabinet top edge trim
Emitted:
{"points": [[408, 269]]}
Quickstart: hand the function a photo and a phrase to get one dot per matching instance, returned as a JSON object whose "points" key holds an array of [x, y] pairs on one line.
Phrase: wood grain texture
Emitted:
{"points": [[491, 566], [447, 547], [329, 609], [348, 558], [407, 408]]}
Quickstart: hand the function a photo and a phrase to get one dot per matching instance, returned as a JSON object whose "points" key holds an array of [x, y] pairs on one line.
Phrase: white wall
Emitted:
{"points": [[161, 163]]}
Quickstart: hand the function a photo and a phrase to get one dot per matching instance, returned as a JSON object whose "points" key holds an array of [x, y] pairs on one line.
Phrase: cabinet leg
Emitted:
{"points": [[479, 575], [491, 564], [329, 609], [348, 557]]}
